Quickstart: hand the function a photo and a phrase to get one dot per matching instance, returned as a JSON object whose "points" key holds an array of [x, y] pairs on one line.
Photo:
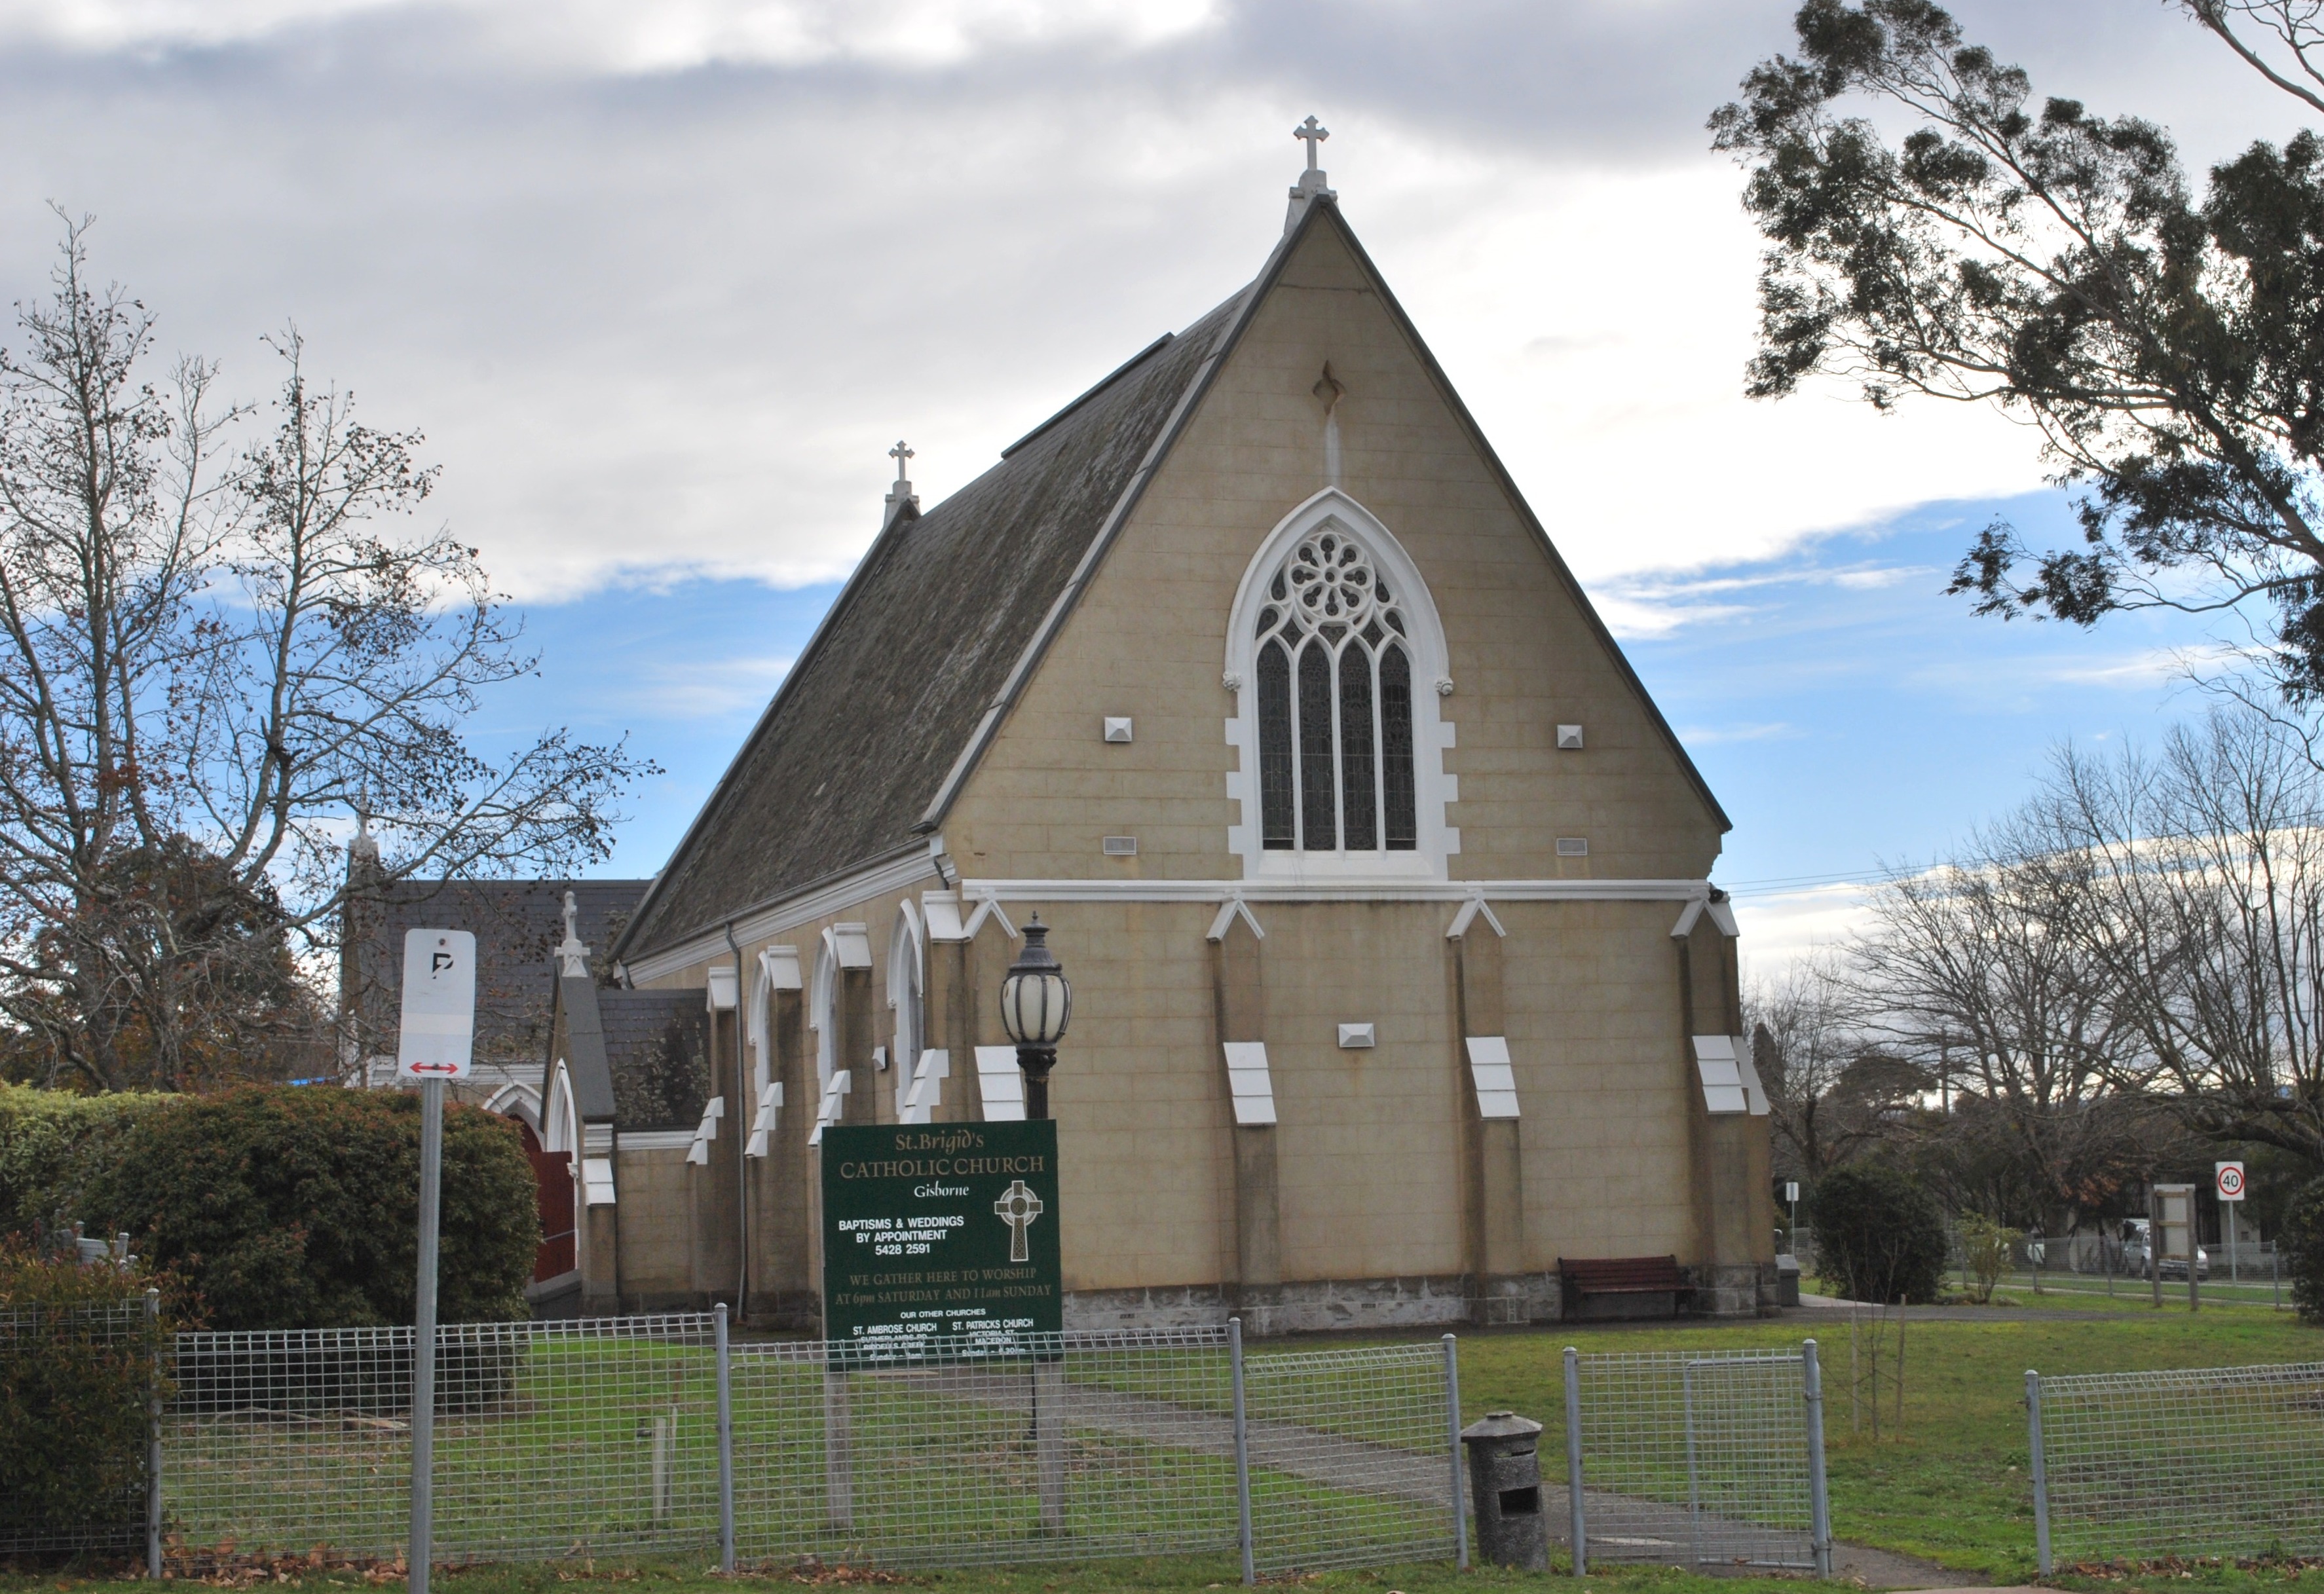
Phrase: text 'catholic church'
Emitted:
{"points": [[1398, 980]]}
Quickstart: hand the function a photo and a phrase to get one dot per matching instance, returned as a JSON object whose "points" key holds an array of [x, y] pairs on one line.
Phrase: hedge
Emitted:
{"points": [[53, 1143], [1878, 1234], [77, 1368], [298, 1207], [2302, 1242]]}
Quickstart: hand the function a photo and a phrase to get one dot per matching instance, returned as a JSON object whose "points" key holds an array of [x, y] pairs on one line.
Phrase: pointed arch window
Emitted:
{"points": [[1334, 667]]}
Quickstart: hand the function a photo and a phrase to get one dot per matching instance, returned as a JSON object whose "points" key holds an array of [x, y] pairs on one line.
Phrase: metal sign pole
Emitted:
{"points": [[435, 1044], [423, 1336]]}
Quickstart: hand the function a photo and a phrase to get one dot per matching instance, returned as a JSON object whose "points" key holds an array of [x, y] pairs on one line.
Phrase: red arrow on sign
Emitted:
{"points": [[434, 1067]]}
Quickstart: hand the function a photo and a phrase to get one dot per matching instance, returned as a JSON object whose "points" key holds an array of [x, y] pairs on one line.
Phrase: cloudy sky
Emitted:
{"points": [[661, 282]]}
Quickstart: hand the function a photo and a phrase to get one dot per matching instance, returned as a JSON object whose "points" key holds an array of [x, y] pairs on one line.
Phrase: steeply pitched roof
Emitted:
{"points": [[860, 738], [516, 923], [908, 677]]}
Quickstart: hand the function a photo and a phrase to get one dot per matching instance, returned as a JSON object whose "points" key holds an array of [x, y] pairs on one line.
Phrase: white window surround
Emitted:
{"points": [[1433, 733], [561, 1128], [907, 986]]}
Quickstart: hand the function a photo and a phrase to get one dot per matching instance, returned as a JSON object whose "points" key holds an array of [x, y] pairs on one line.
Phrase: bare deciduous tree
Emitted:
{"points": [[211, 655]]}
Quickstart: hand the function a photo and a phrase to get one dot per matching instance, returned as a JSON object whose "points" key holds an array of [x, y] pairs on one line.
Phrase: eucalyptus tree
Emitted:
{"points": [[2036, 255], [219, 641]]}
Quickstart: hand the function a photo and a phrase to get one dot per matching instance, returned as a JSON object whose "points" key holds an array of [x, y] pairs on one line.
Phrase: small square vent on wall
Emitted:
{"points": [[1117, 727], [1569, 739], [1572, 846], [1121, 846]]}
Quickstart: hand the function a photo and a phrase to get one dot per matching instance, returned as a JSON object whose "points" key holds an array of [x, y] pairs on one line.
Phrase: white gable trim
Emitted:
{"points": [[1432, 732], [897, 872], [1352, 890]]}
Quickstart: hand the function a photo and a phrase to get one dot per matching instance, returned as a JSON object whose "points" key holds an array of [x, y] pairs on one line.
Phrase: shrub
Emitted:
{"points": [[1878, 1234], [52, 1144], [288, 1207], [76, 1371], [2301, 1240], [1987, 1247]]}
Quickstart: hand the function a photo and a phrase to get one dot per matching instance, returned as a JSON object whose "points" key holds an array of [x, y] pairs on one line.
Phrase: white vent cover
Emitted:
{"points": [[1730, 1084], [1121, 846], [1002, 1083], [1356, 1036], [1490, 1072], [1574, 846], [1117, 727], [1250, 1082], [1569, 739]]}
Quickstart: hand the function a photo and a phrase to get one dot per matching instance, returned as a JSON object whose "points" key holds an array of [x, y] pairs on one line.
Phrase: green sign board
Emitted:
{"points": [[941, 1233]]}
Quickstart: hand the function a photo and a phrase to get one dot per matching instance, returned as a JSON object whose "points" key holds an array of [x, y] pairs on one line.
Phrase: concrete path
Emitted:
{"points": [[1353, 1466]]}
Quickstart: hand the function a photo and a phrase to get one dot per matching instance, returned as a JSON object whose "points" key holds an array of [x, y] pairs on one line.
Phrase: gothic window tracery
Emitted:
{"points": [[1333, 671]]}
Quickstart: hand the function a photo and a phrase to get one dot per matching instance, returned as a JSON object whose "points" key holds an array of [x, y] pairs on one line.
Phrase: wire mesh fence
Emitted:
{"points": [[1351, 1457], [582, 1438], [1698, 1458], [1072, 1447], [77, 1389], [2218, 1461], [600, 1438]]}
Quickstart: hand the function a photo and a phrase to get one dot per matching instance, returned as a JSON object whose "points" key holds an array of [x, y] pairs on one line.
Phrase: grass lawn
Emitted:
{"points": [[1951, 1487]]}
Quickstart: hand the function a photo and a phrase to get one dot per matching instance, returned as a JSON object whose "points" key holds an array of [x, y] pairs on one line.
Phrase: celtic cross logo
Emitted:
{"points": [[1017, 1207]]}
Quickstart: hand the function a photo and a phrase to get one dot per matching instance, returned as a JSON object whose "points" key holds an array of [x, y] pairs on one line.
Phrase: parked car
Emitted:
{"points": [[2137, 1255]]}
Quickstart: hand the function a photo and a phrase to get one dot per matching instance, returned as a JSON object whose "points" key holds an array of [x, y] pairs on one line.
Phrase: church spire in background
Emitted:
{"points": [[1312, 184], [902, 494]]}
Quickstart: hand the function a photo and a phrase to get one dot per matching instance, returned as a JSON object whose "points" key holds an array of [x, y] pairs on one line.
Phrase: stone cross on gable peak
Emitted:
{"points": [[902, 494], [1017, 1207], [572, 957], [1313, 132], [1312, 184]]}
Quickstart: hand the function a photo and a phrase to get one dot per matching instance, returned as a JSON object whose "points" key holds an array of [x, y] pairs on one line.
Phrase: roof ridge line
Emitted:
{"points": [[988, 724], [1103, 382]]}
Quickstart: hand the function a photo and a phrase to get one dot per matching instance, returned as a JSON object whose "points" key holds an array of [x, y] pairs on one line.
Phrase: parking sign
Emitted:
{"points": [[2231, 1180], [440, 1005]]}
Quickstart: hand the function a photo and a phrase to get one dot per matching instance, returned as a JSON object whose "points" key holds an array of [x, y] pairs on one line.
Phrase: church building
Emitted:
{"points": [[1399, 983]]}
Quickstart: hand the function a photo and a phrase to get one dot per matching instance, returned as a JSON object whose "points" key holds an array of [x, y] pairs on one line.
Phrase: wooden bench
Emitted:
{"points": [[1622, 1276]]}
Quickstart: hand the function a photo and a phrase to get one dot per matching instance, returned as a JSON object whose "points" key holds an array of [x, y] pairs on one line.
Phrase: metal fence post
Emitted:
{"points": [[422, 1548], [1818, 1497], [153, 1439], [2040, 1472], [725, 1450], [1242, 1455], [1576, 1523], [1452, 1424]]}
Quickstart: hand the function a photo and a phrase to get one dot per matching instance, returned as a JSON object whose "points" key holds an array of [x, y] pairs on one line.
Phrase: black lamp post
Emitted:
{"points": [[1036, 1004]]}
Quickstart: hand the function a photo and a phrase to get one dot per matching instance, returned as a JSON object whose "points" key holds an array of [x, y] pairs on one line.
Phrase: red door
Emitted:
{"points": [[552, 1181]]}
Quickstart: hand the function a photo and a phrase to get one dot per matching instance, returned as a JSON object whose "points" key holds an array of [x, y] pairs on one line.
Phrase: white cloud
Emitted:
{"points": [[704, 689], [662, 282]]}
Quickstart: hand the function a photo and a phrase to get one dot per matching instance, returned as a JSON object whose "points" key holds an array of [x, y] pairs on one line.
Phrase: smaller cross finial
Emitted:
{"points": [[900, 453], [1311, 133], [572, 957]]}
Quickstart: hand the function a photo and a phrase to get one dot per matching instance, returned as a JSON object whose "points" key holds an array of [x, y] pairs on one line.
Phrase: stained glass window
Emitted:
{"points": [[1359, 798], [1319, 831], [1276, 823], [1396, 751], [1336, 764]]}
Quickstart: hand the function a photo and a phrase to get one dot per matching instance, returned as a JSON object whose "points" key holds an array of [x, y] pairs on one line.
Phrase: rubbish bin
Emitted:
{"points": [[1505, 1489], [1787, 1280]]}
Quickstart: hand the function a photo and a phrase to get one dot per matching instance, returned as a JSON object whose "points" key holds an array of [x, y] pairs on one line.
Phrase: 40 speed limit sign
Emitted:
{"points": [[2231, 1180]]}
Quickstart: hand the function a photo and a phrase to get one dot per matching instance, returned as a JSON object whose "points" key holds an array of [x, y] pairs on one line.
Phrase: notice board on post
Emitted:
{"points": [[941, 1240]]}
